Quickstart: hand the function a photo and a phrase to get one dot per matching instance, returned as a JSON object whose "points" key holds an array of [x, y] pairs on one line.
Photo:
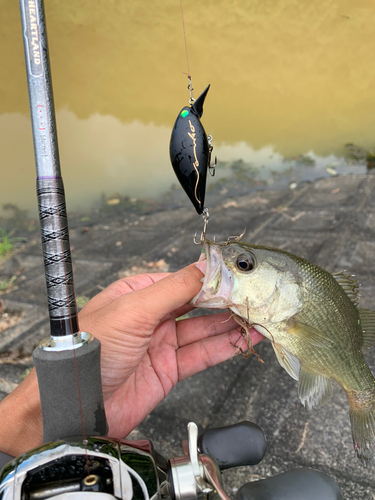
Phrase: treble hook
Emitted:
{"points": [[205, 216], [211, 168]]}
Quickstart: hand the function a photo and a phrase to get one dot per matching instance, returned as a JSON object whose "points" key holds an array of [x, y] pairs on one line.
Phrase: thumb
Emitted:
{"points": [[170, 293]]}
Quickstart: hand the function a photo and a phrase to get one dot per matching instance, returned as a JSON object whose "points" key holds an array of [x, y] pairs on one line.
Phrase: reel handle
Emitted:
{"points": [[243, 443], [299, 484]]}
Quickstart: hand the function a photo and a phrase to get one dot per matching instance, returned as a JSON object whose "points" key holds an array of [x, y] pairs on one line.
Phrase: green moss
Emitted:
{"points": [[6, 246], [81, 301], [5, 284], [25, 373], [7, 242]]}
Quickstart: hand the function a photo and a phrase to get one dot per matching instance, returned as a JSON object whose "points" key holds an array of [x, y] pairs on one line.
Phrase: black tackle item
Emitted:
{"points": [[189, 151], [299, 484], [243, 443], [70, 383]]}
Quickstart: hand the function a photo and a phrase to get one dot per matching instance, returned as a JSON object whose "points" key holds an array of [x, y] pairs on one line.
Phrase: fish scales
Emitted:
{"points": [[341, 322], [309, 315]]}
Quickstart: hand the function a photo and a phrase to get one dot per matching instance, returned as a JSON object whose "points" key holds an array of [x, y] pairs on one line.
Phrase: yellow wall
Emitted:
{"points": [[295, 74]]}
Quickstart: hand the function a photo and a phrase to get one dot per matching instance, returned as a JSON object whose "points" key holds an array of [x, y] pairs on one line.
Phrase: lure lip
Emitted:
{"points": [[197, 107]]}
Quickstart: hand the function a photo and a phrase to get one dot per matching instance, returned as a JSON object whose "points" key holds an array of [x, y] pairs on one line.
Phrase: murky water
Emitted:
{"points": [[291, 80]]}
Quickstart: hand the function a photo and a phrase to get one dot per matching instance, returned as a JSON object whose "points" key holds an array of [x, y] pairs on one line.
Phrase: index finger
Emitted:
{"points": [[170, 293]]}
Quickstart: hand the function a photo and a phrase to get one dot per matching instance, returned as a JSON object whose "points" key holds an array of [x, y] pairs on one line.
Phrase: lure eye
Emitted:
{"points": [[245, 263]]}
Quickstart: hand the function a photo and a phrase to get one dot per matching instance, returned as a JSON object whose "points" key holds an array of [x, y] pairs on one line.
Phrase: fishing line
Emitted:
{"points": [[60, 207], [84, 440], [186, 53], [190, 148], [191, 100], [72, 321]]}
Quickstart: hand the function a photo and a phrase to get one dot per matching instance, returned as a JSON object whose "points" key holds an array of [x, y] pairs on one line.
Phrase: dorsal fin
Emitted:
{"points": [[350, 286], [368, 327]]}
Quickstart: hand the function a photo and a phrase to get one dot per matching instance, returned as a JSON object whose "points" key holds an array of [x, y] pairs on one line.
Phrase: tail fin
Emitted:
{"points": [[363, 430]]}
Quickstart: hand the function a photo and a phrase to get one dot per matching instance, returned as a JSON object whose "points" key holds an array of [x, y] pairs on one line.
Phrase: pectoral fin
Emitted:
{"points": [[289, 362], [313, 389], [368, 327], [309, 334]]}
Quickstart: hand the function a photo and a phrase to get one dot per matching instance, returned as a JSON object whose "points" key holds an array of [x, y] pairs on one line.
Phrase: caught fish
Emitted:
{"points": [[311, 318]]}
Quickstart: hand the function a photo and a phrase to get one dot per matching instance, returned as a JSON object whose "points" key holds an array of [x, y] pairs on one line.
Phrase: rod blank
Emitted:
{"points": [[50, 189]]}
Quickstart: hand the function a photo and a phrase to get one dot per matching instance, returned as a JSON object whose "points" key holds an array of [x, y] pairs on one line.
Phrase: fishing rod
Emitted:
{"points": [[61, 358], [78, 464]]}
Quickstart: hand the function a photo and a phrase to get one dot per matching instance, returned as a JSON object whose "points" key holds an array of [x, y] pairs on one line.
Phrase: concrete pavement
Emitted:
{"points": [[331, 222]]}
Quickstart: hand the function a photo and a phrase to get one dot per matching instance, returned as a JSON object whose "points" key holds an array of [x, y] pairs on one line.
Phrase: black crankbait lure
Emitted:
{"points": [[190, 152]]}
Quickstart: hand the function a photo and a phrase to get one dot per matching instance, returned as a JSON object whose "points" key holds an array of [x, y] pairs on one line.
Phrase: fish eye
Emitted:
{"points": [[245, 263]]}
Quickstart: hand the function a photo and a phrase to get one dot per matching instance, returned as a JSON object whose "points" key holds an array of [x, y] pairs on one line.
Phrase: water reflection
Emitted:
{"points": [[98, 155], [101, 155], [288, 77]]}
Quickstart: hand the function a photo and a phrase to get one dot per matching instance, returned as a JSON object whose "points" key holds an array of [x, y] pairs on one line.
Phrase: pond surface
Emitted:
{"points": [[292, 82]]}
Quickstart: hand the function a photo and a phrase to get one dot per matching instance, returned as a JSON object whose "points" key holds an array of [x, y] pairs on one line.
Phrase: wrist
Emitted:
{"points": [[21, 418]]}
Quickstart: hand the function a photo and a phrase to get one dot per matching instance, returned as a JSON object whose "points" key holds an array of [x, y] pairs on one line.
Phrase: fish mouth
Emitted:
{"points": [[218, 280]]}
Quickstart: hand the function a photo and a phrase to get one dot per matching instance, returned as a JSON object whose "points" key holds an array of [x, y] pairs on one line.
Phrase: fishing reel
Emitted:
{"points": [[103, 469]]}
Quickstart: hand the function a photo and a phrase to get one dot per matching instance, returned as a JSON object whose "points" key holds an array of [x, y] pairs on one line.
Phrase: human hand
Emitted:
{"points": [[145, 351]]}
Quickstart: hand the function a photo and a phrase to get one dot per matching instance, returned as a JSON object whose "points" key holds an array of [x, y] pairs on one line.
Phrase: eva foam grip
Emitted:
{"points": [[60, 398]]}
